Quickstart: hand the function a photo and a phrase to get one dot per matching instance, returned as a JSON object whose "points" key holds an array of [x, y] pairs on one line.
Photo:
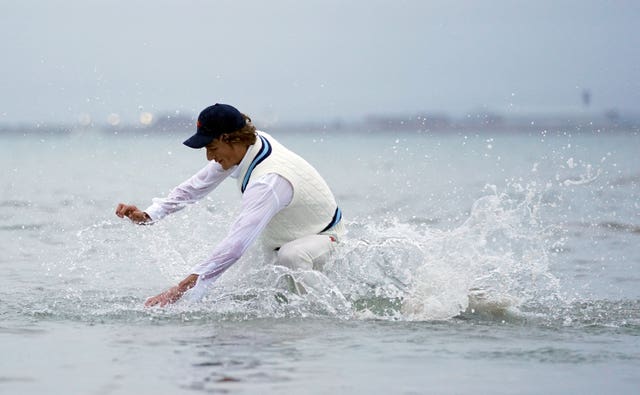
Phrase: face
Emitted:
{"points": [[227, 155]]}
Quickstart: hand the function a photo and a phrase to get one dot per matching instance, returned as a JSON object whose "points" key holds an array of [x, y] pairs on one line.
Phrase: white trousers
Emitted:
{"points": [[306, 253]]}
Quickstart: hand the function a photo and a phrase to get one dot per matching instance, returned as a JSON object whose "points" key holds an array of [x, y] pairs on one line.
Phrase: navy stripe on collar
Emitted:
{"points": [[264, 152]]}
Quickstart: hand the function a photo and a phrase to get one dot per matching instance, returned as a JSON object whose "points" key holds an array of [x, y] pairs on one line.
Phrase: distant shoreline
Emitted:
{"points": [[433, 123]]}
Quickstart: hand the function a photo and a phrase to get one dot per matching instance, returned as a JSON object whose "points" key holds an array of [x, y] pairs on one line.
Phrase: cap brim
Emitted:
{"points": [[198, 141]]}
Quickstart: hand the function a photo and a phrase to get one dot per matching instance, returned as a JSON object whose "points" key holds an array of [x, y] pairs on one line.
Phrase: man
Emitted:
{"points": [[284, 200]]}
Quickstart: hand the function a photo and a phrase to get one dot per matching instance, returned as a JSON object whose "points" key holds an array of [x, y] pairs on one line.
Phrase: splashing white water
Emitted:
{"points": [[497, 259]]}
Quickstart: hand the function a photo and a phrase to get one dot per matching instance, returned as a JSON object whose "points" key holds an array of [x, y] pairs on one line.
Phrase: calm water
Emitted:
{"points": [[505, 263]]}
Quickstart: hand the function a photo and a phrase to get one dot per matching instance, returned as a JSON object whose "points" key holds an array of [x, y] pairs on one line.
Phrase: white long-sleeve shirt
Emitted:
{"points": [[261, 201]]}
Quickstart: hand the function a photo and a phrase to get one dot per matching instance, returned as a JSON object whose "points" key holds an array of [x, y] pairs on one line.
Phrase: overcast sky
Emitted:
{"points": [[316, 60]]}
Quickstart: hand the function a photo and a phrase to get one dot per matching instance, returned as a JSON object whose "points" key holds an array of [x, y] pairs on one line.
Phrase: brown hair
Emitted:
{"points": [[246, 135]]}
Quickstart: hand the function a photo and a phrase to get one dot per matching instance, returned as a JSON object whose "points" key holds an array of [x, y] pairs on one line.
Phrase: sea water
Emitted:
{"points": [[475, 262]]}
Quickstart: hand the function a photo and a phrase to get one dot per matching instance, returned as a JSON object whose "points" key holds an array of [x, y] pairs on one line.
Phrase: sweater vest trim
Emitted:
{"points": [[263, 154], [337, 216]]}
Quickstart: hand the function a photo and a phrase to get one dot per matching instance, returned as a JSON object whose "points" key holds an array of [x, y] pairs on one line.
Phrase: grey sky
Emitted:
{"points": [[317, 60]]}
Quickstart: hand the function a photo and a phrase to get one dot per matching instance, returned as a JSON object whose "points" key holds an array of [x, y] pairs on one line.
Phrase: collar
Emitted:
{"points": [[246, 159]]}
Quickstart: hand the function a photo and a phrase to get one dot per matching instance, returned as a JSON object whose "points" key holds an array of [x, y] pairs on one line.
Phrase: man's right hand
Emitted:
{"points": [[133, 213]]}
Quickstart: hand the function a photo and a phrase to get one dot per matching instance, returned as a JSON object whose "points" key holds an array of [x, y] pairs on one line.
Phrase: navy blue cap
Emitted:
{"points": [[213, 122]]}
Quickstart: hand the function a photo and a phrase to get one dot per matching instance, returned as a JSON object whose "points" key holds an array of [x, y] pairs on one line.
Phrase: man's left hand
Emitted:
{"points": [[169, 296]]}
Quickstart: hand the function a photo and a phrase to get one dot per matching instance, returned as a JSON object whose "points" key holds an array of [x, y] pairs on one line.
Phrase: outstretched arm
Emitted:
{"points": [[188, 192], [261, 201]]}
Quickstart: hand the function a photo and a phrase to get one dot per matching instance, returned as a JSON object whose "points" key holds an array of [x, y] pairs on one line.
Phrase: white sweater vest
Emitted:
{"points": [[313, 208]]}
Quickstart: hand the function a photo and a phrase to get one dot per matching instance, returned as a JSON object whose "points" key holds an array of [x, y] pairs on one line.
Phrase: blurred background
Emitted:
{"points": [[144, 64]]}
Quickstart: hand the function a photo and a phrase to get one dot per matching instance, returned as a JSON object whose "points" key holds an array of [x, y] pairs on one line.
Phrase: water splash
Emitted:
{"points": [[493, 264], [496, 260]]}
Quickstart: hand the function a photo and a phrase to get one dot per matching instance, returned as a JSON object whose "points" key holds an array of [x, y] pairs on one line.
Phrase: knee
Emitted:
{"points": [[294, 258]]}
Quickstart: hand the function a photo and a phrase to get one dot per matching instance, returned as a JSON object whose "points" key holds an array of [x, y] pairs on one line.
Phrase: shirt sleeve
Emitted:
{"points": [[190, 191], [261, 201]]}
